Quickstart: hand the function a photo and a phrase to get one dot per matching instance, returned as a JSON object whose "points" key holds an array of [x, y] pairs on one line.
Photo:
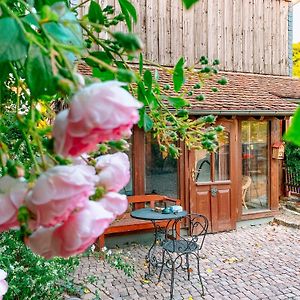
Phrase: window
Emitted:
{"points": [[160, 173], [217, 163], [255, 165], [128, 189]]}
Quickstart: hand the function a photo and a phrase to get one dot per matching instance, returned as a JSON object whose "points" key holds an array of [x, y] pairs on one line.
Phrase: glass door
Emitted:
{"points": [[255, 164]]}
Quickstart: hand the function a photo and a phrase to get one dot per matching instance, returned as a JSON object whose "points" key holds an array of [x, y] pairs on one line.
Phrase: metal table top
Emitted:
{"points": [[150, 214]]}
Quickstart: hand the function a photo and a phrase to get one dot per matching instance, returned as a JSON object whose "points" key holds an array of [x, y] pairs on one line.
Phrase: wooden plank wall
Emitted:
{"points": [[246, 35]]}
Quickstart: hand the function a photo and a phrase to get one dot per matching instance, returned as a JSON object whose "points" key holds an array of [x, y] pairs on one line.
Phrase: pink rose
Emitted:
{"points": [[59, 191], [75, 235], [12, 193], [3, 284], [114, 202], [114, 171], [98, 113]]}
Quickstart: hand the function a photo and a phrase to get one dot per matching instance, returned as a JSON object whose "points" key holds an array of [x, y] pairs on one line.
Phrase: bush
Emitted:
{"points": [[292, 153], [32, 277]]}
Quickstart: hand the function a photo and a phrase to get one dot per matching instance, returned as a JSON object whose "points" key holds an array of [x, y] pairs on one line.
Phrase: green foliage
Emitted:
{"points": [[293, 133], [189, 3], [13, 43], [38, 69], [129, 12], [292, 153], [95, 13], [31, 277], [178, 75], [177, 102], [118, 260]]}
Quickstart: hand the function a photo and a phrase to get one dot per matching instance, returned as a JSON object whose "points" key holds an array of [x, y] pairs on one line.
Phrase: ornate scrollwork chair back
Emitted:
{"points": [[178, 248]]}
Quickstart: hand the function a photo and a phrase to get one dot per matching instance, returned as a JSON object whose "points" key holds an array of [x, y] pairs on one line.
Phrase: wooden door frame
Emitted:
{"points": [[138, 165], [186, 176], [274, 135]]}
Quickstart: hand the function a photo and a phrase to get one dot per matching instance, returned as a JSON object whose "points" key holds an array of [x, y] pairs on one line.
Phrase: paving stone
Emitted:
{"points": [[255, 263]]}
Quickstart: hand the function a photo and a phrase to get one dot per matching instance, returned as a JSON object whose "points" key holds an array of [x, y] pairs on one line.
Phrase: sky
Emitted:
{"points": [[296, 23]]}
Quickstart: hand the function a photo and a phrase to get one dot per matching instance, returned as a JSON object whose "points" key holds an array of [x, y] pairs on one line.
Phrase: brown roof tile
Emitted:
{"points": [[248, 94]]}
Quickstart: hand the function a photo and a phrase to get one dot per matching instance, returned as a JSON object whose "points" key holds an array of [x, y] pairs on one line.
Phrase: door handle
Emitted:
{"points": [[214, 191]]}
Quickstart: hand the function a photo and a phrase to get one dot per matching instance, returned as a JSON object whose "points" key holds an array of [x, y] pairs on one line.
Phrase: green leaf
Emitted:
{"points": [[148, 80], [129, 12], [31, 20], [148, 123], [125, 75], [293, 132], [101, 55], [189, 3], [178, 75], [103, 75], [129, 41], [13, 44], [67, 30], [141, 93], [156, 75], [178, 102], [95, 13], [38, 4], [39, 75], [5, 69], [63, 34], [141, 64]]}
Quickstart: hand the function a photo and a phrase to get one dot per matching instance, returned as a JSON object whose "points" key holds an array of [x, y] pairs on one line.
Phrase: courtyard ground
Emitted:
{"points": [[259, 262]]}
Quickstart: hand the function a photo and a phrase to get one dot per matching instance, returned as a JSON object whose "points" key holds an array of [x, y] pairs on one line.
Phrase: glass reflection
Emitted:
{"points": [[202, 169], [255, 165], [222, 160], [161, 173]]}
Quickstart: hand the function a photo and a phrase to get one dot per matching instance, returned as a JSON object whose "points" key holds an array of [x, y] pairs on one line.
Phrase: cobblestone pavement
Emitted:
{"points": [[260, 262]]}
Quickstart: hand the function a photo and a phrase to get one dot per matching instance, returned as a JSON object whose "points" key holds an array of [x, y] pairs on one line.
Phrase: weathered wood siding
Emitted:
{"points": [[246, 35]]}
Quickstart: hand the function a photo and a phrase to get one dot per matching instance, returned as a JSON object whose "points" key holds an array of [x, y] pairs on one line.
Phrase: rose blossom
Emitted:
{"points": [[59, 191], [3, 284], [114, 202], [99, 112], [114, 171], [12, 193], [75, 235]]}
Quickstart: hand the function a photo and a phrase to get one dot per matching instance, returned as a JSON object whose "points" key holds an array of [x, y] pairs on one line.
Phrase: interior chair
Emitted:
{"points": [[178, 250], [246, 182]]}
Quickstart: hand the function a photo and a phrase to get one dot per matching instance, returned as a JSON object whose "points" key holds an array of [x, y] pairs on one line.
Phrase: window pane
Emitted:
{"points": [[127, 190], [255, 165], [202, 167], [222, 160], [161, 174]]}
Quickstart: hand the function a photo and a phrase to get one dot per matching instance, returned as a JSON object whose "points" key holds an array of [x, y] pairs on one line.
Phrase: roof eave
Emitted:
{"points": [[242, 113]]}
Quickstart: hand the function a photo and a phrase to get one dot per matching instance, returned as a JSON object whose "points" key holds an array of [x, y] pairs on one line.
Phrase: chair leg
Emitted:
{"points": [[172, 281], [198, 266], [188, 266], [162, 266], [178, 231]]}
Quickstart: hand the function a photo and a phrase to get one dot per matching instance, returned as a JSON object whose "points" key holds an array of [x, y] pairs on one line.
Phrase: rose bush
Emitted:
{"points": [[68, 206]]}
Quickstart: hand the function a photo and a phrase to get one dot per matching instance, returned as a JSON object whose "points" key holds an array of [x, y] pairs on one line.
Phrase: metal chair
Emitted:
{"points": [[179, 249]]}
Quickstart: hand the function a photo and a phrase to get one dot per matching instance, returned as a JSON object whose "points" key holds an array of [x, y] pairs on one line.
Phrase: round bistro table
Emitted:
{"points": [[156, 217]]}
